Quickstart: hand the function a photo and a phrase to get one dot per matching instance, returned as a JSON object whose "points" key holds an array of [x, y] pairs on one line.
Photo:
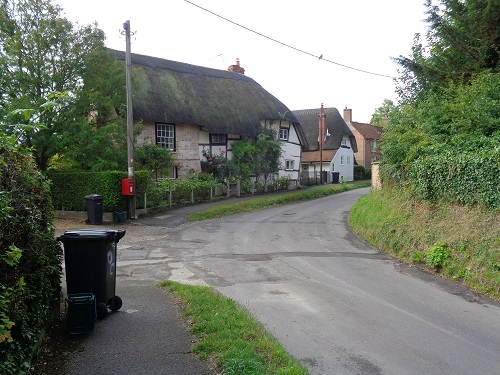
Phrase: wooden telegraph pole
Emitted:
{"points": [[130, 121], [321, 127]]}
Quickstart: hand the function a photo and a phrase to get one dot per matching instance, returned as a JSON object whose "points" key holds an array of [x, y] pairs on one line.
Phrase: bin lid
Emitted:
{"points": [[94, 196], [92, 234]]}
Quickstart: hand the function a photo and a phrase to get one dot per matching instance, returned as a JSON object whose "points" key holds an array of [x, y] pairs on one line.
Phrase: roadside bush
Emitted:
{"points": [[362, 173], [30, 259], [282, 183]]}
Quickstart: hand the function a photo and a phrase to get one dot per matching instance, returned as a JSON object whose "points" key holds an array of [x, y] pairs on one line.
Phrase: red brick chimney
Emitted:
{"points": [[236, 68], [347, 115]]}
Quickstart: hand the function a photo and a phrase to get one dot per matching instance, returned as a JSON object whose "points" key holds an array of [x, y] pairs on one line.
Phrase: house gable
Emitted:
{"points": [[367, 137]]}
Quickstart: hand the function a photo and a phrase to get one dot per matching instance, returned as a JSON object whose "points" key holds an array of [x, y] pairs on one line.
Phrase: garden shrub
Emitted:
{"points": [[30, 258]]}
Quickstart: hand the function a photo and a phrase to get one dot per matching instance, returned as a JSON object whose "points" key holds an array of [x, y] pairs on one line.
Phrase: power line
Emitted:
{"points": [[320, 57]]}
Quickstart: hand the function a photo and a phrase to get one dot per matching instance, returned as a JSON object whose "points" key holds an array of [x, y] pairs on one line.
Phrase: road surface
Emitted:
{"points": [[337, 304]]}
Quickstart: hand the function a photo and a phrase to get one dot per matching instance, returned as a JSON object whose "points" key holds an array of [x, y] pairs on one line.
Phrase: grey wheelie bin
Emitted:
{"points": [[94, 205], [90, 261]]}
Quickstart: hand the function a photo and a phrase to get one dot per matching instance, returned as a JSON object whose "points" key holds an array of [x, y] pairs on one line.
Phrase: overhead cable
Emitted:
{"points": [[320, 57]]}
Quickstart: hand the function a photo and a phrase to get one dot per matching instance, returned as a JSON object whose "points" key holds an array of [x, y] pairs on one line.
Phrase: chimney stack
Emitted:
{"points": [[236, 68], [385, 121], [348, 115]]}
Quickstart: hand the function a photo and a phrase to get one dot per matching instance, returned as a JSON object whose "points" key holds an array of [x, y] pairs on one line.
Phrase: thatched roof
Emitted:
{"points": [[219, 101], [335, 124]]}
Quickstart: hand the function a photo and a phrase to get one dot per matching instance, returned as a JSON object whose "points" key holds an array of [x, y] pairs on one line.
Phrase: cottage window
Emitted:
{"points": [[165, 136], [283, 134], [218, 138], [374, 145], [289, 165], [348, 160], [344, 141], [341, 159]]}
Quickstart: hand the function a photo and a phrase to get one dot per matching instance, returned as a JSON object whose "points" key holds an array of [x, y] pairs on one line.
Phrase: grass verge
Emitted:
{"points": [[458, 242], [228, 336], [266, 202]]}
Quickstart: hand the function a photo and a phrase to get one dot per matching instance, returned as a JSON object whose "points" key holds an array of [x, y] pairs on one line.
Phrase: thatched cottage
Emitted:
{"points": [[190, 109], [337, 154]]}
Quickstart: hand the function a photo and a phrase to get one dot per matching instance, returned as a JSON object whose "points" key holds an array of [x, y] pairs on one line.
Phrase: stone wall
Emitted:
{"points": [[376, 183]]}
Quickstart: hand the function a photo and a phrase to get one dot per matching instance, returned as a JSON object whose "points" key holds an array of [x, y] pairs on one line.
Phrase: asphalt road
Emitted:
{"points": [[337, 304]]}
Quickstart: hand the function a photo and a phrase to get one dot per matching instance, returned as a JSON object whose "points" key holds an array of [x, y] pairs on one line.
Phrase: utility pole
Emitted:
{"points": [[321, 126], [130, 121]]}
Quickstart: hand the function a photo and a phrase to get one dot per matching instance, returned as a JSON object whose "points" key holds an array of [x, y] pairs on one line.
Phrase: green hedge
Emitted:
{"points": [[70, 188], [30, 259], [465, 178], [362, 173]]}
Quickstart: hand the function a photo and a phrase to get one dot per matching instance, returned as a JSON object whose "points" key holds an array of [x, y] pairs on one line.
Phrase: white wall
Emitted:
{"points": [[343, 162]]}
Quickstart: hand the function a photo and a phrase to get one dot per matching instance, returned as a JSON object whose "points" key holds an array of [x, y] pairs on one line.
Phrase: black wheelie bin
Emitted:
{"points": [[90, 262]]}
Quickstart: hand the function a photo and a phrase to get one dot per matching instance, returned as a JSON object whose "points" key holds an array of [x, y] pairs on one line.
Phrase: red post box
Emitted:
{"points": [[128, 186]]}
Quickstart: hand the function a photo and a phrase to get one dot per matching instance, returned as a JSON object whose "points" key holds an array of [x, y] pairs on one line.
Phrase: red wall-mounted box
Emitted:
{"points": [[128, 186]]}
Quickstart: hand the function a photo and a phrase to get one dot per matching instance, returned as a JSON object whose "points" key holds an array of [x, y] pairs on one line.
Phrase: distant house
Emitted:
{"points": [[338, 149], [367, 139], [193, 110]]}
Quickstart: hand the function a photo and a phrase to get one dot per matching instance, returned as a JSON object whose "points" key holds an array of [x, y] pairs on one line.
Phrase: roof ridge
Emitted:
{"points": [[181, 67]]}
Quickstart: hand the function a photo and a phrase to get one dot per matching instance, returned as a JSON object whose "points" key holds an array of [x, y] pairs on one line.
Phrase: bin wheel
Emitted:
{"points": [[101, 310], [115, 303]]}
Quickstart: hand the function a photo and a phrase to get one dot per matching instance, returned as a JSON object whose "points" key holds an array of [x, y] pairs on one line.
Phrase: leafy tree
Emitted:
{"points": [[154, 158], [463, 40], [260, 158], [43, 56], [384, 111]]}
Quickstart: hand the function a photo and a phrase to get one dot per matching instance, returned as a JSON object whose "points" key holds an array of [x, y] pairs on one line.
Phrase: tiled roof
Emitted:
{"points": [[313, 156], [368, 131]]}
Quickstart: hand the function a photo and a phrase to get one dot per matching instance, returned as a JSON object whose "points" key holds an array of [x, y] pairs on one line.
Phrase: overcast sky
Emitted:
{"points": [[361, 34]]}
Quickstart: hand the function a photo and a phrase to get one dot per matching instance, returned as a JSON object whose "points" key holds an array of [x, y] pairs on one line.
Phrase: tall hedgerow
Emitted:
{"points": [[30, 258]]}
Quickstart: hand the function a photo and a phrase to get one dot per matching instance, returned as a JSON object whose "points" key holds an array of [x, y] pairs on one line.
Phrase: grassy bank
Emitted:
{"points": [[462, 243], [262, 203], [228, 336]]}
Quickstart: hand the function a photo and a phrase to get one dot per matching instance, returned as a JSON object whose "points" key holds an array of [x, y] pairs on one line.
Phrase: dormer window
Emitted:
{"points": [[283, 134], [345, 141], [218, 138]]}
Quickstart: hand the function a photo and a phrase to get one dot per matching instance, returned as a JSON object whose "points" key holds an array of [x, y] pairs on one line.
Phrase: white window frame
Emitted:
{"points": [[284, 133], [289, 164], [165, 136], [341, 159]]}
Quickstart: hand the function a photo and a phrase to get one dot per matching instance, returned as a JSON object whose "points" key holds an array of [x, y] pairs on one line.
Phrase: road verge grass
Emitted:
{"points": [[228, 336], [457, 242], [262, 203]]}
